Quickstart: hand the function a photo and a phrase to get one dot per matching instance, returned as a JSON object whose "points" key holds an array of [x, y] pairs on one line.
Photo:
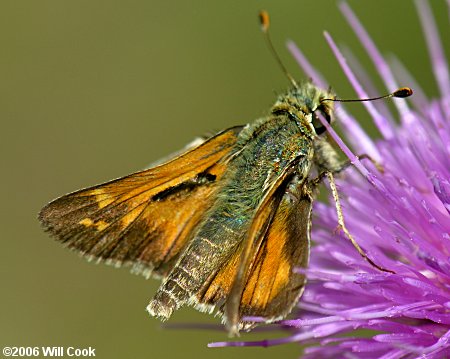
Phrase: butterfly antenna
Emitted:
{"points": [[265, 22], [400, 93]]}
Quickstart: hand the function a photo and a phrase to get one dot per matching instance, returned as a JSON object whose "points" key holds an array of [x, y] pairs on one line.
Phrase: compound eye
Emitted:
{"points": [[316, 122]]}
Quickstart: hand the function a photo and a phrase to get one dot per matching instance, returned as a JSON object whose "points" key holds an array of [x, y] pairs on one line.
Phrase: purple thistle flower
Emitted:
{"points": [[401, 218]]}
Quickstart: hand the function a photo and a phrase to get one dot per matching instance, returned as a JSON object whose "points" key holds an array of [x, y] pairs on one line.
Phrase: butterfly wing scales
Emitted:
{"points": [[271, 284], [145, 218]]}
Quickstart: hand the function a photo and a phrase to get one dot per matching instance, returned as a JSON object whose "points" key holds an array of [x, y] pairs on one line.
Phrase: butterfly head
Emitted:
{"points": [[304, 103]]}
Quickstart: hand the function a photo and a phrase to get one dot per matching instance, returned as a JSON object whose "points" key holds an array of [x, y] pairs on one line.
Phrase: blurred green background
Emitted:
{"points": [[92, 90]]}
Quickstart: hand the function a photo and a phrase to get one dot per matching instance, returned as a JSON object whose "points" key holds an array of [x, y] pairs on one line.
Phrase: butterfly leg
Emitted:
{"points": [[342, 225], [328, 164]]}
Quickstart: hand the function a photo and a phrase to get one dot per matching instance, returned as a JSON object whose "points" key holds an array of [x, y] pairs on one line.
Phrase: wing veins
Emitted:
{"points": [[123, 230], [117, 197]]}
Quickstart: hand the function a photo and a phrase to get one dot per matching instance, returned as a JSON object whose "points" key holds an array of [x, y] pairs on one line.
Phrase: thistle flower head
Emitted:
{"points": [[400, 216]]}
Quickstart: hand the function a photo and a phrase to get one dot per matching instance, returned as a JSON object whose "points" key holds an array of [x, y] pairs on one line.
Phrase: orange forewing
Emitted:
{"points": [[271, 285], [145, 218]]}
